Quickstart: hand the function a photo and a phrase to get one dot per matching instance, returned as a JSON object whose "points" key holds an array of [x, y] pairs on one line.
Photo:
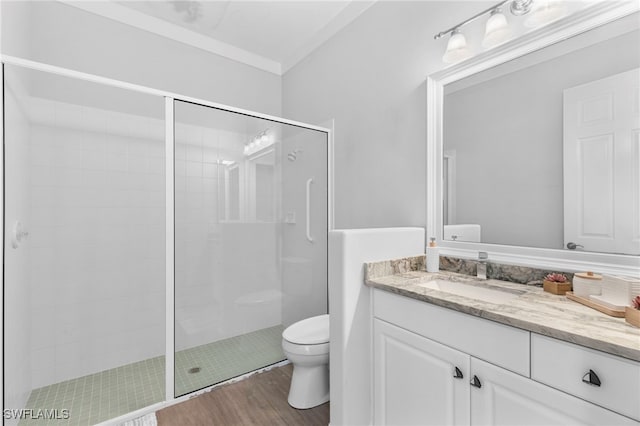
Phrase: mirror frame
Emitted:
{"points": [[562, 260]]}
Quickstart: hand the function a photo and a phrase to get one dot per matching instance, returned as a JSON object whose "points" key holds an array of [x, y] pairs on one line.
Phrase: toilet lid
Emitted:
{"points": [[310, 331]]}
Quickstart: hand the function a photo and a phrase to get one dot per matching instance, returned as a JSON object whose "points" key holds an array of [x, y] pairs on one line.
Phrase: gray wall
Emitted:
{"points": [[509, 149], [370, 77], [65, 36]]}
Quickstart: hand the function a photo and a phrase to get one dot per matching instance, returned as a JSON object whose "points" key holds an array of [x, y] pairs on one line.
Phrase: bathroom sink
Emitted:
{"points": [[479, 291]]}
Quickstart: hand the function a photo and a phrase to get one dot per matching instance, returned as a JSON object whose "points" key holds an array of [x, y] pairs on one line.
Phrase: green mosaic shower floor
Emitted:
{"points": [[111, 393], [224, 359]]}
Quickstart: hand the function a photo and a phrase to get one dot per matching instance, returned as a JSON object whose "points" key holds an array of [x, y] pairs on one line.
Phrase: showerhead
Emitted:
{"points": [[293, 155]]}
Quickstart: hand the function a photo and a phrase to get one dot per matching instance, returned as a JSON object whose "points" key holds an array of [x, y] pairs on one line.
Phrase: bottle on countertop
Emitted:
{"points": [[433, 257]]}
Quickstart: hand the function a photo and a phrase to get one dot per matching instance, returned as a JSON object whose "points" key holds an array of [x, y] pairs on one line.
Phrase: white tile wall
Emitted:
{"points": [[97, 203], [217, 262], [97, 270]]}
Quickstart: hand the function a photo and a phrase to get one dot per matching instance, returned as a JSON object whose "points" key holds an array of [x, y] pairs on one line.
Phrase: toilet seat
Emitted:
{"points": [[310, 331], [311, 350]]}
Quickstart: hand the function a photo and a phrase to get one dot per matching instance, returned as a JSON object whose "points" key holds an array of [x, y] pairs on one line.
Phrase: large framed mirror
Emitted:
{"points": [[534, 147]]}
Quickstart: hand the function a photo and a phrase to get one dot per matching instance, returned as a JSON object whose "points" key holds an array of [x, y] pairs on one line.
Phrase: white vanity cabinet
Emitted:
{"points": [[418, 381], [568, 367], [508, 399], [417, 348]]}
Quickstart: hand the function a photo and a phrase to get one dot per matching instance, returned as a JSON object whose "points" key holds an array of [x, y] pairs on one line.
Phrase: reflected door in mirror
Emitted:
{"points": [[601, 162]]}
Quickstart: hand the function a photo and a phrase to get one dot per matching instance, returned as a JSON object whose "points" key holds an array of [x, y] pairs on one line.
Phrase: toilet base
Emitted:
{"points": [[309, 386]]}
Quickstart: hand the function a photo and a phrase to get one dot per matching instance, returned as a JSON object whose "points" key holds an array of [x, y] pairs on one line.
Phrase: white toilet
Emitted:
{"points": [[306, 345]]}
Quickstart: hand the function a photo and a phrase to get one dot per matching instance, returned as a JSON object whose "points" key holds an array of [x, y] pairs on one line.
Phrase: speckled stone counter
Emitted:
{"points": [[533, 309]]}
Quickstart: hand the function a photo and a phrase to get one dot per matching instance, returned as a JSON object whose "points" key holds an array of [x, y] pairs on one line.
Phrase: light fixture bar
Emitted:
{"points": [[473, 18]]}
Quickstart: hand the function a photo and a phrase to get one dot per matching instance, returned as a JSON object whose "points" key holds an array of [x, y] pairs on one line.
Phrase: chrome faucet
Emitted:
{"points": [[481, 269]]}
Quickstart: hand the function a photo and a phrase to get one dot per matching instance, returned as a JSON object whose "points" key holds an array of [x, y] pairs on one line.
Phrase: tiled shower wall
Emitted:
{"points": [[98, 244], [97, 240], [218, 261]]}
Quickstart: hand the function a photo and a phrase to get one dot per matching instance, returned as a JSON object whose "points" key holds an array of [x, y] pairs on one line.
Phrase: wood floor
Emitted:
{"points": [[259, 400]]}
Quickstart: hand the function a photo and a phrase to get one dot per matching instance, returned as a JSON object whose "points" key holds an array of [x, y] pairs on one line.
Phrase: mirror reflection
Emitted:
{"points": [[240, 164], [544, 151]]}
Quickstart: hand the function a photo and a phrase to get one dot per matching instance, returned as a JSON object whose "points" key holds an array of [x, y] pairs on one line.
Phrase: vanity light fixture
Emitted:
{"points": [[259, 142], [497, 29], [544, 12], [520, 7], [457, 49]]}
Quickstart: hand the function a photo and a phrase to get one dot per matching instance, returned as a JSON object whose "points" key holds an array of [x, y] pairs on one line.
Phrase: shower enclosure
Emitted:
{"points": [[155, 244], [244, 267]]}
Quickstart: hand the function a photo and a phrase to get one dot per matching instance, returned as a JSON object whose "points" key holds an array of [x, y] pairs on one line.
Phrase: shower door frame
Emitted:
{"points": [[169, 99]]}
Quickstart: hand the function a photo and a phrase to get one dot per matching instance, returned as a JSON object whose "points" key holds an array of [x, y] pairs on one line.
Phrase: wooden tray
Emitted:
{"points": [[595, 305], [632, 316]]}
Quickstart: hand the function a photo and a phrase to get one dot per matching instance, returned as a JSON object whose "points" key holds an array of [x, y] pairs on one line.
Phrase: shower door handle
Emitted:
{"points": [[309, 237]]}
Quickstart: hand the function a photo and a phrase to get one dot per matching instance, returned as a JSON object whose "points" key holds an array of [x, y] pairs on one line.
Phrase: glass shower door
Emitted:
{"points": [[245, 269], [84, 248]]}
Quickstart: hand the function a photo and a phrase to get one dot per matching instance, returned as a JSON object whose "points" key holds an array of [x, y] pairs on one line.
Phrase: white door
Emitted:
{"points": [[506, 398], [601, 163], [414, 381]]}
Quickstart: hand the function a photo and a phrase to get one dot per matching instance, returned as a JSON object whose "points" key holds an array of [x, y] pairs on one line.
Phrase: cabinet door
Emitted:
{"points": [[506, 398], [414, 381]]}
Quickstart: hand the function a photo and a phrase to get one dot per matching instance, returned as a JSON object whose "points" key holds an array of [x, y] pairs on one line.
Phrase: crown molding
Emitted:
{"points": [[134, 18], [344, 18], [128, 16]]}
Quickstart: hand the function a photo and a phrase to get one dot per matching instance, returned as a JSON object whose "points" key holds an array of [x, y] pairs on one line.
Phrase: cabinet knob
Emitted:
{"points": [[591, 378], [458, 374], [476, 382]]}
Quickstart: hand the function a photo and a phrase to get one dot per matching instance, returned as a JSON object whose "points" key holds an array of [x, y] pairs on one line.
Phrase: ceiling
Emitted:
{"points": [[270, 35]]}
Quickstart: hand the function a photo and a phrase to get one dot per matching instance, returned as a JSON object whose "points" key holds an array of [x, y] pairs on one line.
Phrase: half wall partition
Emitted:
{"points": [[155, 244]]}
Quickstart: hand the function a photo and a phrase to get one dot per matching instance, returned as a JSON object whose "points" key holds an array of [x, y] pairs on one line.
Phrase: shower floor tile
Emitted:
{"points": [[224, 359], [111, 393]]}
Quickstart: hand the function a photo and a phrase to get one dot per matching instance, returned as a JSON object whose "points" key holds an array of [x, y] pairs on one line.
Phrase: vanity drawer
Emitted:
{"points": [[563, 366], [498, 344]]}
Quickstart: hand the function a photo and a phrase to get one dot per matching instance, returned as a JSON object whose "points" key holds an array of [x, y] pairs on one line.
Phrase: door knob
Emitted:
{"points": [[573, 246]]}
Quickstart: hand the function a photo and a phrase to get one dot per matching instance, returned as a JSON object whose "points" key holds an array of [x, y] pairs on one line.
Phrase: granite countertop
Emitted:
{"points": [[533, 309]]}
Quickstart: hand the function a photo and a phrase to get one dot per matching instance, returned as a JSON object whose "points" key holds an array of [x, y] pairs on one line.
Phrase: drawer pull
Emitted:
{"points": [[591, 378], [476, 382], [458, 374]]}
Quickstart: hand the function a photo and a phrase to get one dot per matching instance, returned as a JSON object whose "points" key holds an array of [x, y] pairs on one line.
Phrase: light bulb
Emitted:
{"points": [[544, 12], [457, 49], [497, 29]]}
